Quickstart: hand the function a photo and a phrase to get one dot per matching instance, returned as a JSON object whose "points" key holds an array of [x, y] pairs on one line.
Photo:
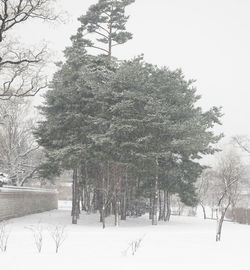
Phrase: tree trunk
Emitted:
{"points": [[103, 204], [82, 197], [220, 219], [110, 40], [103, 217], [161, 210], [155, 198], [86, 187], [117, 206], [164, 204], [74, 211], [124, 206], [124, 197], [168, 202], [204, 211], [151, 205], [219, 226], [94, 201], [78, 207]]}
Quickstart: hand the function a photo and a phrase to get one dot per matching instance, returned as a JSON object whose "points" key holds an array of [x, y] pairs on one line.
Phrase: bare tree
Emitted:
{"points": [[203, 190], [20, 155], [133, 246], [37, 231], [227, 182], [243, 142], [21, 70], [58, 235]]}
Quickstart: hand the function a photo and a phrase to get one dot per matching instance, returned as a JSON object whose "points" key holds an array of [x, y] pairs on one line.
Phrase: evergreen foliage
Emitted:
{"points": [[105, 23]]}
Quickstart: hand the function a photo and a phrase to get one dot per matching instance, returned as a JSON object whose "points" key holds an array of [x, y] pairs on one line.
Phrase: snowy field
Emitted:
{"points": [[184, 243]]}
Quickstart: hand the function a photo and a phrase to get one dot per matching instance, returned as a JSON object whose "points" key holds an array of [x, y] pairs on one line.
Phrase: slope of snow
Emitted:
{"points": [[14, 189], [184, 243]]}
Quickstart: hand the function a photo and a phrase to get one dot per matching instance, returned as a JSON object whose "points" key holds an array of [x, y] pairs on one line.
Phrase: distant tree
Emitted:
{"points": [[204, 186], [105, 21], [21, 70], [227, 179], [243, 142], [19, 152], [178, 132]]}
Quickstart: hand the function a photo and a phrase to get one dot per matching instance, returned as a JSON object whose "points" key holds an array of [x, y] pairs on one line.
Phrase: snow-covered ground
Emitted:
{"points": [[184, 243]]}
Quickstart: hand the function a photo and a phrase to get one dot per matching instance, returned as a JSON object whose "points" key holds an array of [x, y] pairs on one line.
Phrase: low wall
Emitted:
{"points": [[240, 215], [16, 201]]}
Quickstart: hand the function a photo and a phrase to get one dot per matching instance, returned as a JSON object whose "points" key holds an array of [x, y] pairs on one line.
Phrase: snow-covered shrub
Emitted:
{"points": [[38, 235], [4, 236], [58, 235], [133, 246], [4, 179]]}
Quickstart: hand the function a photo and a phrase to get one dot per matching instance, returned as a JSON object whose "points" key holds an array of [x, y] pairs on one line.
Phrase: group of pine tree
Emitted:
{"points": [[130, 131]]}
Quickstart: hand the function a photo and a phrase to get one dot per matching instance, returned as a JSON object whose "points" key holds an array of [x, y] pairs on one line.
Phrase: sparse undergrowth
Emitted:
{"points": [[133, 246], [4, 236]]}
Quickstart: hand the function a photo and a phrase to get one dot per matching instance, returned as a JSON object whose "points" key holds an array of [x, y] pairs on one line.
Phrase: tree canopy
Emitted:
{"points": [[128, 129]]}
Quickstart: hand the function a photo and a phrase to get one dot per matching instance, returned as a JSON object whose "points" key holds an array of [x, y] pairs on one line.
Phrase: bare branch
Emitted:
{"points": [[28, 176], [99, 48], [242, 143]]}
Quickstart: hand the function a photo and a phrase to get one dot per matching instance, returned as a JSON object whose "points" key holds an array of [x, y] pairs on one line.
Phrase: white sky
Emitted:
{"points": [[208, 39]]}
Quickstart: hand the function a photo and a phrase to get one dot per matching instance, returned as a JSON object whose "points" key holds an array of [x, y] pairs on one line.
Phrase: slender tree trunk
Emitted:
{"points": [[110, 39], [82, 197], [151, 205], [78, 207], [95, 201], [155, 199], [124, 197], [103, 204], [161, 210], [74, 197], [220, 220], [117, 206], [164, 205], [203, 210], [81, 189], [124, 205], [168, 201], [103, 216], [87, 199], [220, 215]]}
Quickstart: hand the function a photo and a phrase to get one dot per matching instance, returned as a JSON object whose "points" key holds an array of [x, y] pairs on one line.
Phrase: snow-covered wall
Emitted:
{"points": [[16, 202]]}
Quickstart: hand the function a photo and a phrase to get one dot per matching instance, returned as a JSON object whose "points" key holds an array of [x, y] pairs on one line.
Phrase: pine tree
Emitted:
{"points": [[105, 23], [75, 114]]}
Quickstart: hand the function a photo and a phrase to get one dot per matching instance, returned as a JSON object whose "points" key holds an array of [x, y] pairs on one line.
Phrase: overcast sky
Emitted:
{"points": [[208, 39]]}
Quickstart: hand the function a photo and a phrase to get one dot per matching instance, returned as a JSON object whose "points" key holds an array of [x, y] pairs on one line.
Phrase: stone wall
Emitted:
{"points": [[16, 201]]}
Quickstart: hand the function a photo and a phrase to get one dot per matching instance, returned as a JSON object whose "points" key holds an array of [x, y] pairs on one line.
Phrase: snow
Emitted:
{"points": [[13, 189], [184, 243], [4, 178]]}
